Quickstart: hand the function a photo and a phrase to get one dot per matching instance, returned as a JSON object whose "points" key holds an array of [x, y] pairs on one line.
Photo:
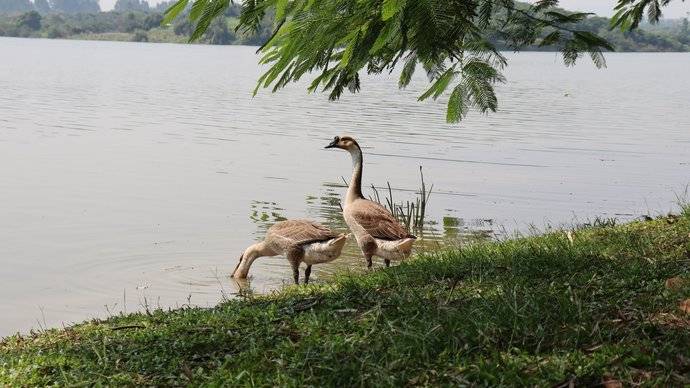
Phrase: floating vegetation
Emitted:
{"points": [[266, 213]]}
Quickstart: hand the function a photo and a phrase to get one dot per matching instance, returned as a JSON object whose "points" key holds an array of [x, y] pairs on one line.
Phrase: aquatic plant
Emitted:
{"points": [[412, 214]]}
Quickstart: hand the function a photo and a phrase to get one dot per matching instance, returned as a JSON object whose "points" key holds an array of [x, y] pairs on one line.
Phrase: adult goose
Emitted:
{"points": [[300, 241], [378, 233]]}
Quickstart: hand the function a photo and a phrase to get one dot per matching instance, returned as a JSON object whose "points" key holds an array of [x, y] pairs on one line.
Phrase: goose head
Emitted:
{"points": [[346, 143], [242, 269], [246, 259]]}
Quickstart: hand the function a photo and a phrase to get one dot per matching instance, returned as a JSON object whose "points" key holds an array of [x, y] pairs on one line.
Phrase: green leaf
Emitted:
{"points": [[212, 9], [259, 82], [593, 40], [457, 108], [570, 54], [568, 18], [353, 38], [484, 13], [281, 7], [390, 8], [550, 39], [324, 77], [544, 4], [439, 86], [653, 12], [387, 33], [598, 59], [408, 70], [197, 9], [479, 69], [174, 10]]}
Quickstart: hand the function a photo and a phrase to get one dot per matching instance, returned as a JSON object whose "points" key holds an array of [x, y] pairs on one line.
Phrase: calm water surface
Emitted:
{"points": [[136, 174]]}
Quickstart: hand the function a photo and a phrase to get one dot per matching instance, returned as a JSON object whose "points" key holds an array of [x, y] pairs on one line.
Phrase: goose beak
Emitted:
{"points": [[334, 143]]}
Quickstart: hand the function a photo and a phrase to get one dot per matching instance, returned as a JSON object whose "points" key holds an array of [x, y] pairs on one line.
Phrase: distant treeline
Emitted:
{"points": [[130, 20], [14, 7], [17, 7], [669, 35], [135, 20]]}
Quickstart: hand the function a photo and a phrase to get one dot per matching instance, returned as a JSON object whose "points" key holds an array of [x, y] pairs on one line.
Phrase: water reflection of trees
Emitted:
{"points": [[325, 207], [264, 214]]}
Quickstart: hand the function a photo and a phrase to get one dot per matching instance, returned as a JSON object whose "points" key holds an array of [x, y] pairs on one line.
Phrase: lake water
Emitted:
{"points": [[136, 174]]}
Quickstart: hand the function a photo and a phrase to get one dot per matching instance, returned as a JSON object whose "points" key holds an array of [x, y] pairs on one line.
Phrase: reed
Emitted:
{"points": [[411, 213]]}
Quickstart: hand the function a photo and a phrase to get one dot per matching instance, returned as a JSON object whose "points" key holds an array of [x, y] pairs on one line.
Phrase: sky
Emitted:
{"points": [[676, 9]]}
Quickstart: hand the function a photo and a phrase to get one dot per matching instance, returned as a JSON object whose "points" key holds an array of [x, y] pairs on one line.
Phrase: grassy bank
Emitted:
{"points": [[595, 307], [156, 35]]}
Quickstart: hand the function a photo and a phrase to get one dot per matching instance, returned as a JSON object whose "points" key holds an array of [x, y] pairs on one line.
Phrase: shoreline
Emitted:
{"points": [[592, 305], [98, 38]]}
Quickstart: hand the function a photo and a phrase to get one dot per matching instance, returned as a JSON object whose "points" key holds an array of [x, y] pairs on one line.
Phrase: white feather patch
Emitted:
{"points": [[324, 252], [394, 250]]}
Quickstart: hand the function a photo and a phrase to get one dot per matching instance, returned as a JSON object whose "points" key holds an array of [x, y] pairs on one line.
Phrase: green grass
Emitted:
{"points": [[531, 311]]}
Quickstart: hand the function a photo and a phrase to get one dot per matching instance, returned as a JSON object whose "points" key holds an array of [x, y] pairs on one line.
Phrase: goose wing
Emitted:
{"points": [[301, 231], [377, 221]]}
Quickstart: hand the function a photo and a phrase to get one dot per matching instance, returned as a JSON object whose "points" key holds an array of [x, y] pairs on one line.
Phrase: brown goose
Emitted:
{"points": [[300, 241], [378, 233]]}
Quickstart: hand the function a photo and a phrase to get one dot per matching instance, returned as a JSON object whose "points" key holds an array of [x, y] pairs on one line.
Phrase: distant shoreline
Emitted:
{"points": [[186, 43]]}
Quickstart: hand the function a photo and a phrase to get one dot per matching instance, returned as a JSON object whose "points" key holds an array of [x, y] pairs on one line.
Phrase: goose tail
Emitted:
{"points": [[339, 242], [406, 244]]}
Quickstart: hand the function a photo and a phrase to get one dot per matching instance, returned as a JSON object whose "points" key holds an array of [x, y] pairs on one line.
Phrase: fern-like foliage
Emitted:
{"points": [[629, 13], [334, 41]]}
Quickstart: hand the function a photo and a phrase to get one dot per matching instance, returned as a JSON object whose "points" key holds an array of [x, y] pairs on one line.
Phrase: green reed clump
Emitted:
{"points": [[411, 214]]}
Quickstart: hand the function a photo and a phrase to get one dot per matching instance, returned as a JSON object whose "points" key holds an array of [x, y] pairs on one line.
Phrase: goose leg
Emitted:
{"points": [[368, 246], [307, 272], [295, 256], [295, 273], [388, 263]]}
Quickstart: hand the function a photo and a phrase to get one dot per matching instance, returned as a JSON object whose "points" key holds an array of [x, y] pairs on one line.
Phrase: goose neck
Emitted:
{"points": [[354, 190]]}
